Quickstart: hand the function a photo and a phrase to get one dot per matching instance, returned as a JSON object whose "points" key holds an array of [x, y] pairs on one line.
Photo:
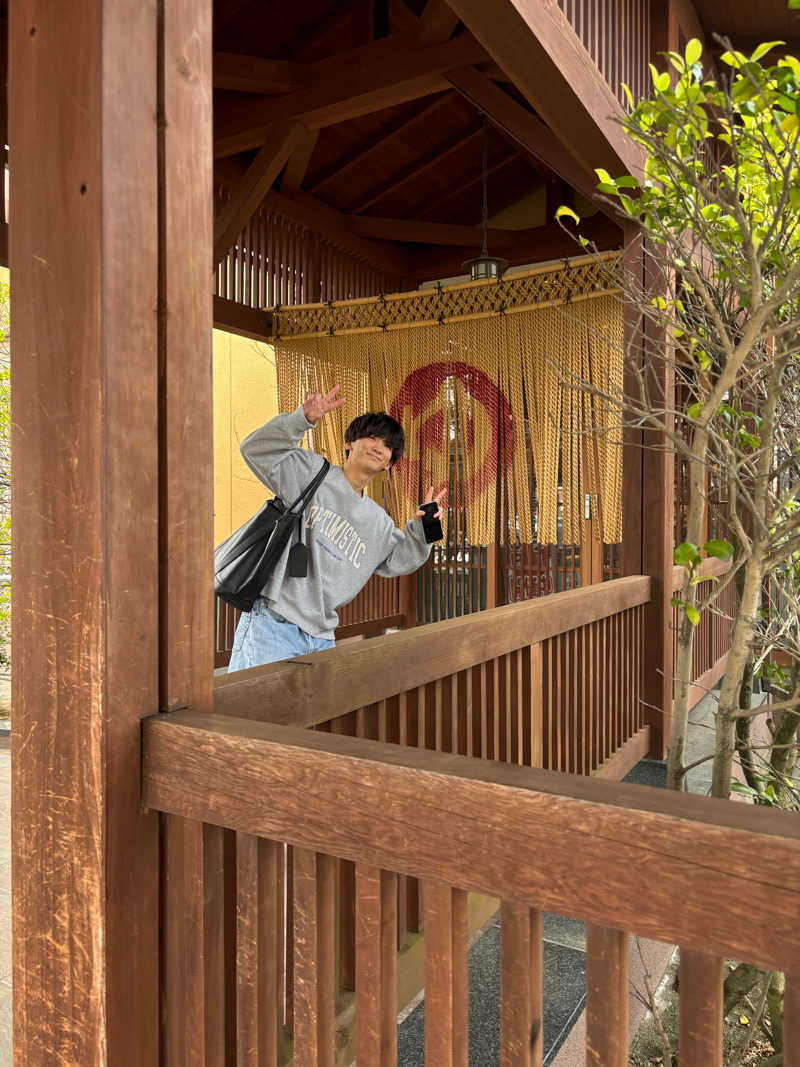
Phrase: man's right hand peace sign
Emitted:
{"points": [[316, 405]]}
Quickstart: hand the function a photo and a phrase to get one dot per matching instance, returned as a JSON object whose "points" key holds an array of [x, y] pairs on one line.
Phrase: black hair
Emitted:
{"points": [[378, 424]]}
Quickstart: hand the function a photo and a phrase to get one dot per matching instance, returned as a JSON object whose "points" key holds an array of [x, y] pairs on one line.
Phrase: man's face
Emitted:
{"points": [[372, 454]]}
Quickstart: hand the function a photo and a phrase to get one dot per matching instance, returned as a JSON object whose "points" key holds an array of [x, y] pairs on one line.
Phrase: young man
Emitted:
{"points": [[348, 536]]}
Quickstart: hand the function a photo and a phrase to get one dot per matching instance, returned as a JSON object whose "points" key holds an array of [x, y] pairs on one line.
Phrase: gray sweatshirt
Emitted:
{"points": [[349, 537]]}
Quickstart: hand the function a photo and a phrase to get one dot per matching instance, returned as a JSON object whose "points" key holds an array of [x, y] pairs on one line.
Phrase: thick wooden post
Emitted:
{"points": [[649, 478], [196, 1006], [112, 497]]}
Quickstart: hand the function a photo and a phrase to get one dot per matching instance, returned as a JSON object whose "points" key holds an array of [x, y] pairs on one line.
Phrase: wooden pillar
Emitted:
{"points": [[111, 496], [648, 503]]}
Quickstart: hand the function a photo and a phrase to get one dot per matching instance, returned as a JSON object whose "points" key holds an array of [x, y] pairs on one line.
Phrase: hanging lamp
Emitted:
{"points": [[485, 267]]}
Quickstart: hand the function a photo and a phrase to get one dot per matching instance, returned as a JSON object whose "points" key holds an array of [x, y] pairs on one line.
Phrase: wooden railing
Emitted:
{"points": [[712, 634], [554, 682], [619, 857], [383, 604]]}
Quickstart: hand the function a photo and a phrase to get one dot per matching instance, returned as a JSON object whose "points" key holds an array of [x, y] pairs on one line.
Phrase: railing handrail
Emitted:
{"points": [[665, 865], [314, 689], [709, 568]]}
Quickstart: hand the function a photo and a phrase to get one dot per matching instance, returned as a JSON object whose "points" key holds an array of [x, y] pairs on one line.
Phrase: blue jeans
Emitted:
{"points": [[263, 636]]}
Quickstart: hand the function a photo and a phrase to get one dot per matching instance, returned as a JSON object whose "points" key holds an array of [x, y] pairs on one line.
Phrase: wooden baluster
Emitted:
{"points": [[607, 997], [376, 966], [445, 975], [577, 702], [520, 986], [314, 959], [258, 1003], [700, 1010]]}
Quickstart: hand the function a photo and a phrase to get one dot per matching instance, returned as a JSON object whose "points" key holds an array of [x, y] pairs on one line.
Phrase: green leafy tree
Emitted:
{"points": [[717, 208]]}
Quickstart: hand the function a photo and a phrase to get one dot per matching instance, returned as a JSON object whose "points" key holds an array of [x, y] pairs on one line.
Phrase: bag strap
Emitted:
{"points": [[312, 486]]}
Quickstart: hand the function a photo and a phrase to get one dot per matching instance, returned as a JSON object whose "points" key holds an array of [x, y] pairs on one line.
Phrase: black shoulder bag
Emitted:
{"points": [[245, 560]]}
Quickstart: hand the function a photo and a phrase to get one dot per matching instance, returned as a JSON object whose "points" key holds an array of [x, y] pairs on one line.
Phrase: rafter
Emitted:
{"points": [[436, 233], [391, 71], [433, 207], [537, 45], [431, 159], [252, 74], [292, 178], [515, 122], [324, 30], [377, 143], [308, 211], [257, 179], [522, 128], [436, 23]]}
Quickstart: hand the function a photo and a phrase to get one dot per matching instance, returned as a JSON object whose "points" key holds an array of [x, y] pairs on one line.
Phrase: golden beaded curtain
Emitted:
{"points": [[490, 381]]}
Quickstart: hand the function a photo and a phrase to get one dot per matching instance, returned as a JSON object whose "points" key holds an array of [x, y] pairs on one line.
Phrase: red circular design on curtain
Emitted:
{"points": [[421, 393]]}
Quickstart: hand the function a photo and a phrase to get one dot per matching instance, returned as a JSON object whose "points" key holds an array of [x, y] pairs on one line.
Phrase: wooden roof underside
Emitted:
{"points": [[364, 117]]}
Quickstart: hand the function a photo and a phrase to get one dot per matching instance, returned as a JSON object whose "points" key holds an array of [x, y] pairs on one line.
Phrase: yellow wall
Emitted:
{"points": [[245, 396]]}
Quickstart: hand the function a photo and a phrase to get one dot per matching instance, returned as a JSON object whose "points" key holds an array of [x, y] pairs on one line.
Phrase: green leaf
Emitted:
{"points": [[685, 554], [740, 787], [794, 5], [719, 549], [692, 614], [762, 49], [568, 212], [694, 50], [694, 410]]}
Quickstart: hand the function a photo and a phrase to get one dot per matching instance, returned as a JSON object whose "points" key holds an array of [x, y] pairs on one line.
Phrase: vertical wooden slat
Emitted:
{"points": [[248, 1050], [376, 966], [700, 1009], [314, 959], [445, 975], [520, 986], [607, 997]]}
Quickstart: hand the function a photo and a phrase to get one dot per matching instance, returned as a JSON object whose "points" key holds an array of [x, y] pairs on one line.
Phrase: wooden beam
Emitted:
{"points": [[536, 245], [84, 244], [376, 143], [316, 37], [436, 233], [312, 213], [242, 320], [387, 72], [620, 854], [252, 74], [547, 62], [434, 206], [432, 158], [257, 179], [523, 129], [295, 172], [437, 22]]}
